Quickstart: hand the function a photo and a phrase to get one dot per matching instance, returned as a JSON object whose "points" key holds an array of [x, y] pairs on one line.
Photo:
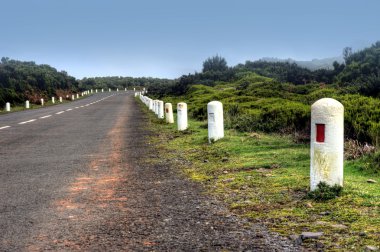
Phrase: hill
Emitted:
{"points": [[314, 64]]}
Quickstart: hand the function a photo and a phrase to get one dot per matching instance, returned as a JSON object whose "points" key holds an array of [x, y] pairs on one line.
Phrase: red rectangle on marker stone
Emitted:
{"points": [[320, 133]]}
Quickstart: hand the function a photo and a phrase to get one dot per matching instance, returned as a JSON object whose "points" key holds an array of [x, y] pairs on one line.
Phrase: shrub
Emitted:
{"points": [[353, 149], [325, 192], [372, 163]]}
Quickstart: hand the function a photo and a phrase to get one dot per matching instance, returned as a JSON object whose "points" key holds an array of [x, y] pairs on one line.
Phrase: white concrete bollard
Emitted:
{"points": [[215, 121], [53, 100], [134, 89], [42, 102], [125, 89], [150, 104], [72, 97], [117, 89], [7, 107], [60, 99], [92, 91], [182, 116], [327, 143], [109, 90], [27, 104], [102, 90], [160, 109], [96, 90], [77, 96], [169, 113], [156, 107]]}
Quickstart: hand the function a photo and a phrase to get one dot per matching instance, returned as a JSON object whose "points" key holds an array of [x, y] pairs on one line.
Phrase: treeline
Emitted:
{"points": [[359, 74], [152, 84], [20, 81]]}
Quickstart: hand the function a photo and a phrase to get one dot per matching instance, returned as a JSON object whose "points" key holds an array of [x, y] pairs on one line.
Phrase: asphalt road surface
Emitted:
{"points": [[73, 178]]}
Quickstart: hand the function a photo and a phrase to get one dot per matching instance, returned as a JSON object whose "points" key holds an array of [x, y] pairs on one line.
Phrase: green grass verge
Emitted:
{"points": [[266, 179]]}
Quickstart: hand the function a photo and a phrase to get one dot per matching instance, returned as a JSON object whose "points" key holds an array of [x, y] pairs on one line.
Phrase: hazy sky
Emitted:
{"points": [[168, 38]]}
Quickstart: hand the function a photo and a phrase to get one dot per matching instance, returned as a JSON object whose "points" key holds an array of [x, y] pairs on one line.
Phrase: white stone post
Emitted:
{"points": [[42, 102], [7, 107], [77, 96], [125, 89], [156, 107], [117, 89], [72, 97], [134, 89], [215, 121], [92, 91], [169, 113], [60, 99], [182, 116], [102, 90], [96, 90], [150, 104], [160, 110], [326, 143], [53, 100], [27, 104], [109, 90]]}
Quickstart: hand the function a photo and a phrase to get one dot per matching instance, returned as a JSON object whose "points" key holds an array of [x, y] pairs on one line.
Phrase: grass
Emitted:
{"points": [[265, 177]]}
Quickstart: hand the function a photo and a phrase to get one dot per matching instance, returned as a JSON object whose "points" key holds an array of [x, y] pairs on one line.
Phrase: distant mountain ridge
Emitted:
{"points": [[313, 64]]}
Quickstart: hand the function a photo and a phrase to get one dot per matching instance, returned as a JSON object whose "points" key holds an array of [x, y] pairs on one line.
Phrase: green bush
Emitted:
{"points": [[325, 192]]}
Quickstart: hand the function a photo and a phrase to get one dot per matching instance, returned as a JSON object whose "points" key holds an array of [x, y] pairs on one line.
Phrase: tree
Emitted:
{"points": [[347, 52], [215, 64]]}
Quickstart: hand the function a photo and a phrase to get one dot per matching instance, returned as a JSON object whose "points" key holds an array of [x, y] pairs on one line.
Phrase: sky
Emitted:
{"points": [[169, 38]]}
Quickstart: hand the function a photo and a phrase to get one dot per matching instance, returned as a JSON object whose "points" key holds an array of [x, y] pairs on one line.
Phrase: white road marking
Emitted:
{"points": [[77, 107], [43, 117], [27, 121], [69, 109], [60, 112], [4, 127]]}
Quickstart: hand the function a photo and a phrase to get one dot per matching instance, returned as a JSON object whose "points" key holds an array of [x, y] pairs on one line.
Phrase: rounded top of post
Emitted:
{"points": [[327, 104], [168, 104], [214, 103]]}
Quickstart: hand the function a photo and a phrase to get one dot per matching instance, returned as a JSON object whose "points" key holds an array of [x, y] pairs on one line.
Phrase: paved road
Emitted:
{"points": [[41, 159], [77, 181]]}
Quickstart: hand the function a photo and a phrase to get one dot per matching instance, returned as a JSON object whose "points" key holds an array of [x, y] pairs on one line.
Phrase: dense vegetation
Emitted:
{"points": [[359, 74], [20, 81], [276, 96]]}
